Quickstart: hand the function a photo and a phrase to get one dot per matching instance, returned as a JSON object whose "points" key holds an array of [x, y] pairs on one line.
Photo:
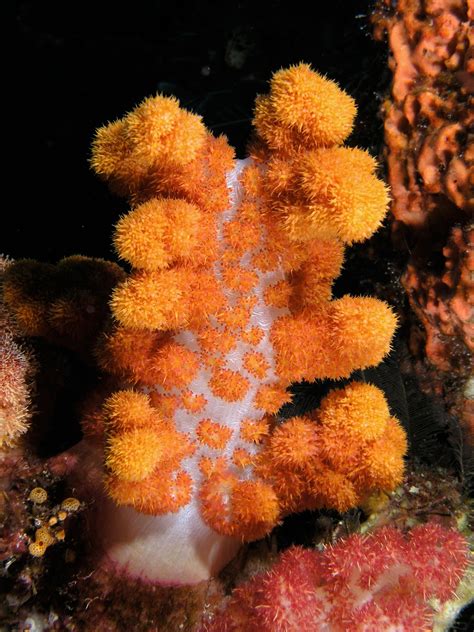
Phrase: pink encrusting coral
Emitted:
{"points": [[383, 581], [229, 302]]}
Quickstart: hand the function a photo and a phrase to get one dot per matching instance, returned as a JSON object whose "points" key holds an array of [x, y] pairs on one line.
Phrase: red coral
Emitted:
{"points": [[382, 581]]}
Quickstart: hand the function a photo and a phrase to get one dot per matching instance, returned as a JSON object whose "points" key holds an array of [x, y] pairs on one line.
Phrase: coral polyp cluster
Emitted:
{"points": [[384, 581], [17, 368], [229, 302]]}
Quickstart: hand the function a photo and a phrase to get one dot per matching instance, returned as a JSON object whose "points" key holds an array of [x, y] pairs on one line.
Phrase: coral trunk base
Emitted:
{"points": [[173, 549]]}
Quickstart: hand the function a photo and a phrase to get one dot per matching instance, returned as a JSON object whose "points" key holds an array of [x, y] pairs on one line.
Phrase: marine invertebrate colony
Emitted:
{"points": [[229, 302], [379, 582], [430, 156], [16, 372]]}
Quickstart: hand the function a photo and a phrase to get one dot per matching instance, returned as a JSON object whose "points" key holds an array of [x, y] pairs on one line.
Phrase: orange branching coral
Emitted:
{"points": [[229, 302]]}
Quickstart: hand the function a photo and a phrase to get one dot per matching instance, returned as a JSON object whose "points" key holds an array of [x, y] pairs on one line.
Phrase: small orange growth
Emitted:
{"points": [[126, 410], [162, 492], [359, 410], [278, 295], [253, 336], [255, 509], [304, 108], [228, 385], [175, 365], [362, 330], [250, 211], [335, 490], [241, 236], [213, 434], [43, 539], [239, 279], [271, 397], [254, 430], [256, 364], [193, 402], [241, 458], [346, 200], [158, 233], [216, 340], [209, 466], [266, 260], [294, 444], [204, 298], [383, 460], [214, 495], [252, 181], [152, 300], [134, 454], [237, 317], [165, 405]]}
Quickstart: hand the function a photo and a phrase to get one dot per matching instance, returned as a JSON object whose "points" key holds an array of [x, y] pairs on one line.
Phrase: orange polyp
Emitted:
{"points": [[216, 340], [270, 398], [238, 279], [241, 458], [228, 385], [161, 492], [334, 490], [193, 402], [126, 410], [256, 364], [359, 410], [214, 495], [209, 466], [151, 300], [213, 434], [308, 105], [175, 365], [241, 236], [252, 336], [157, 233], [265, 261], [254, 430], [165, 405], [132, 455], [255, 508], [252, 181], [351, 201], [294, 443], [278, 295]]}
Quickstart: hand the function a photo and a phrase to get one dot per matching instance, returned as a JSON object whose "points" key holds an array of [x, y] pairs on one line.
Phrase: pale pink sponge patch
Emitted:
{"points": [[383, 581]]}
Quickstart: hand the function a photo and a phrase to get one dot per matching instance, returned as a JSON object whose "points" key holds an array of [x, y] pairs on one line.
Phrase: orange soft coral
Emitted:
{"points": [[228, 302]]}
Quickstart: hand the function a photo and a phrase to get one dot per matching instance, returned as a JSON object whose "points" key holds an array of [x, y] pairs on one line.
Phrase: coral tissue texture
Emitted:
{"points": [[384, 581], [17, 369], [430, 152], [228, 303]]}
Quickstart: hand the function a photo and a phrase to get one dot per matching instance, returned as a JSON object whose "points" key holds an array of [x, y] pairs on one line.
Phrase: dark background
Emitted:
{"points": [[80, 65]]}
